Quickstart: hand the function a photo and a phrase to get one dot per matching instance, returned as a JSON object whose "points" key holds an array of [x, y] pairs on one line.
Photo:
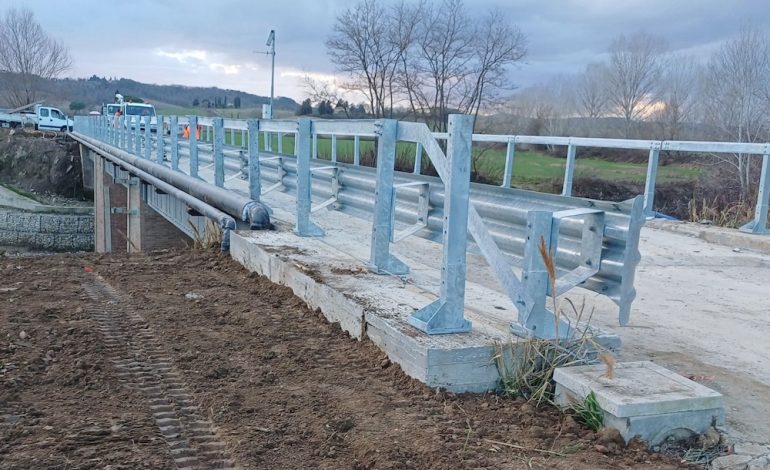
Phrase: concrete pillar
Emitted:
{"points": [[101, 216], [133, 216]]}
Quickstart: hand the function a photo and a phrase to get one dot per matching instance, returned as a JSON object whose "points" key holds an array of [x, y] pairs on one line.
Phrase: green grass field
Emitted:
{"points": [[530, 167]]}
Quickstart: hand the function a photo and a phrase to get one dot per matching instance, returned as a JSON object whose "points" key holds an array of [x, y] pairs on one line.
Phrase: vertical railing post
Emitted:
{"points": [[193, 123], [334, 148], [649, 184], [147, 138], [255, 184], [446, 315], [219, 156], [159, 140], [357, 150], [380, 260], [130, 139], [122, 126], [305, 227], [280, 142], [315, 146], [510, 155], [569, 171], [173, 125], [243, 138], [417, 159], [136, 129], [759, 224]]}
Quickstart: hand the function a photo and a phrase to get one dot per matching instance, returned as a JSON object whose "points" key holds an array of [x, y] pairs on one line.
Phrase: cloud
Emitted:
{"points": [[226, 68], [184, 55]]}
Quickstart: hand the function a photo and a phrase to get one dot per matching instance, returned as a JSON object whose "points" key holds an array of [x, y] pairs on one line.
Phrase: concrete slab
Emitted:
{"points": [[377, 307], [642, 399]]}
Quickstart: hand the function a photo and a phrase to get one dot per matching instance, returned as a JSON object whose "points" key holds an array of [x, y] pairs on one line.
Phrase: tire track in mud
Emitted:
{"points": [[142, 364]]}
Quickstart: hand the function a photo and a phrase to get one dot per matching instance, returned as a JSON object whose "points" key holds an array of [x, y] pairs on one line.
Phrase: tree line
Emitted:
{"points": [[642, 90]]}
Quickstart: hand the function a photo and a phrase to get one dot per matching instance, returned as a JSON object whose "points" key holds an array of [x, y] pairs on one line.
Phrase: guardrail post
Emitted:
{"points": [[193, 123], [315, 146], [219, 156], [130, 137], [255, 184], [649, 184], [759, 224], [147, 137], [159, 140], [446, 315], [305, 227], [334, 149], [243, 138], [280, 142], [569, 171], [357, 150], [173, 125], [133, 126], [381, 261], [417, 159], [122, 123], [510, 155]]}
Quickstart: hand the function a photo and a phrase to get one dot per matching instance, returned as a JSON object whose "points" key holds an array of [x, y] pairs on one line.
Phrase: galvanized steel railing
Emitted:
{"points": [[595, 242]]}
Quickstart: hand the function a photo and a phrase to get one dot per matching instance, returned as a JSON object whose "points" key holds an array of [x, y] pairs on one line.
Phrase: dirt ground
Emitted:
{"points": [[270, 383]]}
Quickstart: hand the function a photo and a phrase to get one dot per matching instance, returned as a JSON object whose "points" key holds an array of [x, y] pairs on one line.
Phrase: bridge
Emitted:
{"points": [[387, 254]]}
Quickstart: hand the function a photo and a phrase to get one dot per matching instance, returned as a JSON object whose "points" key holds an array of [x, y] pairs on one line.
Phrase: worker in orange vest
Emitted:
{"points": [[186, 133]]}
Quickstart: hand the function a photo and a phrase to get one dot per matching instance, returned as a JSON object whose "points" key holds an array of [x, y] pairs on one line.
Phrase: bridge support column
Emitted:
{"points": [[101, 207], [134, 216]]}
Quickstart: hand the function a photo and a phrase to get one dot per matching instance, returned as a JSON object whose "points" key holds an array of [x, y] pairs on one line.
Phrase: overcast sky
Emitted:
{"points": [[213, 42]]}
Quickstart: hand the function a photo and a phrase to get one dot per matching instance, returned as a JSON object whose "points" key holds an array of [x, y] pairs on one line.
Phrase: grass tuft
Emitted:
{"points": [[589, 412]]}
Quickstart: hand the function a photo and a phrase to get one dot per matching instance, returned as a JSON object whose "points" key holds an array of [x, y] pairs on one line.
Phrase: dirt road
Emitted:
{"points": [[185, 359]]}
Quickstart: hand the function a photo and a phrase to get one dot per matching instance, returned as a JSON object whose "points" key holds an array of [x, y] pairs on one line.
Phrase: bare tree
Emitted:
{"points": [[736, 95], [28, 54], [677, 96], [458, 64], [434, 58], [634, 70], [363, 47], [592, 96]]}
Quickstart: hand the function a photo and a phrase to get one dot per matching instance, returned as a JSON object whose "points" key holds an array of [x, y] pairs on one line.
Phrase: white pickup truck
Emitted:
{"points": [[143, 112], [43, 118]]}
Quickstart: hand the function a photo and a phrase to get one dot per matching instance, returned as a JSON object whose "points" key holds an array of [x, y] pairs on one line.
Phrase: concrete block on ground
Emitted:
{"points": [[643, 399]]}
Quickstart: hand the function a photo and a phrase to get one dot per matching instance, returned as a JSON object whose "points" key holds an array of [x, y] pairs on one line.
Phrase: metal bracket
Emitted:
{"points": [[123, 210], [335, 187], [423, 207], [534, 318]]}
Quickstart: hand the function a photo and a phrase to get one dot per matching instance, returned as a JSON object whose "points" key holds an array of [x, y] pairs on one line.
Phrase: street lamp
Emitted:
{"points": [[271, 43]]}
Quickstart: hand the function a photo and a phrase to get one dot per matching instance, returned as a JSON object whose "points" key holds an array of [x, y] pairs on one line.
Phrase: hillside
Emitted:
{"points": [[96, 90]]}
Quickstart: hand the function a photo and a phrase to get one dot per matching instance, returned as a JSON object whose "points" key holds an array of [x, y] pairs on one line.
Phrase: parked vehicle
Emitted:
{"points": [[43, 117], [145, 112]]}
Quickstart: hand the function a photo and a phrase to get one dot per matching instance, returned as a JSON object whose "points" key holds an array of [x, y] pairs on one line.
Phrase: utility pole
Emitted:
{"points": [[271, 43]]}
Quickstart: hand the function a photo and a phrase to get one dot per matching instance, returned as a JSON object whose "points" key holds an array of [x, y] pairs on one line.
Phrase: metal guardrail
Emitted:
{"points": [[758, 225], [595, 242]]}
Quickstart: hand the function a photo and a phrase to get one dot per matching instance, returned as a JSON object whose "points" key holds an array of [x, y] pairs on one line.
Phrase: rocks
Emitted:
{"points": [[709, 438], [607, 436], [748, 448], [731, 462], [193, 296], [23, 335]]}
